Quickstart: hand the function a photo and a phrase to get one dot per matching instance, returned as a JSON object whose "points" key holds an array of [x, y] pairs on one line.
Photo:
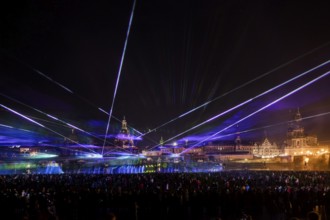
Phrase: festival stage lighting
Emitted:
{"points": [[268, 126], [23, 116], [31, 120], [175, 155], [6, 126], [247, 101], [37, 155], [241, 86], [93, 156], [118, 75], [259, 110], [51, 116]]}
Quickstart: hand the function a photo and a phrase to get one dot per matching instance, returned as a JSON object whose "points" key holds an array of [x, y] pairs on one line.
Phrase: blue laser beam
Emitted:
{"points": [[52, 117], [269, 126], [247, 101], [67, 89], [237, 88], [118, 75], [21, 115], [41, 125], [261, 109]]}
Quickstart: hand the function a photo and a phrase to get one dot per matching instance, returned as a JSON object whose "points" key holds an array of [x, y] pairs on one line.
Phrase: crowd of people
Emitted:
{"points": [[221, 195]]}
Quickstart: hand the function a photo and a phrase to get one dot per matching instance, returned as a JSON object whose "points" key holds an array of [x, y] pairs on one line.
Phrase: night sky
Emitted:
{"points": [[180, 55]]}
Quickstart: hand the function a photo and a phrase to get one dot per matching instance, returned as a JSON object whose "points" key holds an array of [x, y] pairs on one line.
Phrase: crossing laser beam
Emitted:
{"points": [[67, 89], [21, 115], [247, 101], [41, 125], [259, 110], [52, 117], [118, 75], [237, 88], [269, 126]]}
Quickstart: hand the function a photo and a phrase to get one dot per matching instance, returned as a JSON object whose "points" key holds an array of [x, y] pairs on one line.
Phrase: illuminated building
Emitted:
{"points": [[296, 137], [298, 143], [124, 138], [266, 150]]}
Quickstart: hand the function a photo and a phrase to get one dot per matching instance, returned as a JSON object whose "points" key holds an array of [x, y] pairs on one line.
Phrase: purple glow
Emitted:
{"points": [[247, 101], [52, 117], [23, 116], [249, 82], [264, 107], [131, 137], [6, 126], [119, 73], [31, 120], [268, 126]]}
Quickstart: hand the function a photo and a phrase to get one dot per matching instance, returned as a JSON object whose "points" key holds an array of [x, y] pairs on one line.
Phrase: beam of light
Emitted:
{"points": [[50, 79], [23, 116], [52, 117], [37, 123], [21, 129], [117, 119], [269, 126], [118, 75], [69, 90], [247, 101], [6, 126], [119, 150], [204, 122], [239, 87], [259, 110]]}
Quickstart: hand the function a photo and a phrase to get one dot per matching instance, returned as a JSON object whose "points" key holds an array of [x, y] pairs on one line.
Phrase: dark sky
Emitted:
{"points": [[180, 54]]}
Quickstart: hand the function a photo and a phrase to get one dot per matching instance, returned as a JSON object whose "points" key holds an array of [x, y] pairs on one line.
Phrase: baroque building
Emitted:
{"points": [[267, 150], [296, 137], [124, 138]]}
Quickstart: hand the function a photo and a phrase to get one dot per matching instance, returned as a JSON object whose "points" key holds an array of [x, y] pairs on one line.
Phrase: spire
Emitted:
{"points": [[297, 117], [124, 124], [161, 142]]}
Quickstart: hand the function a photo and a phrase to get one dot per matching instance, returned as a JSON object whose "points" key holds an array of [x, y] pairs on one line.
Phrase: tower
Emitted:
{"points": [[123, 138], [161, 142], [296, 135]]}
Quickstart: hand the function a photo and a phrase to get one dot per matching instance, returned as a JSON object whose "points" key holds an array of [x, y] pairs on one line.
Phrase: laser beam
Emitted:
{"points": [[118, 75], [52, 117], [269, 126], [264, 107], [247, 101], [237, 88], [41, 125]]}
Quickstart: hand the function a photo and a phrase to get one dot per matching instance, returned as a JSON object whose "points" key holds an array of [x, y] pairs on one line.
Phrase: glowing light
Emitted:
{"points": [[119, 73], [35, 155], [264, 107], [47, 77], [243, 85], [23, 116], [6, 126], [251, 99], [94, 156], [31, 120], [51, 116]]}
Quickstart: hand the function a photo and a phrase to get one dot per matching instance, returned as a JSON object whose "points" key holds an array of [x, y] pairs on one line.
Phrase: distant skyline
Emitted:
{"points": [[180, 54]]}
